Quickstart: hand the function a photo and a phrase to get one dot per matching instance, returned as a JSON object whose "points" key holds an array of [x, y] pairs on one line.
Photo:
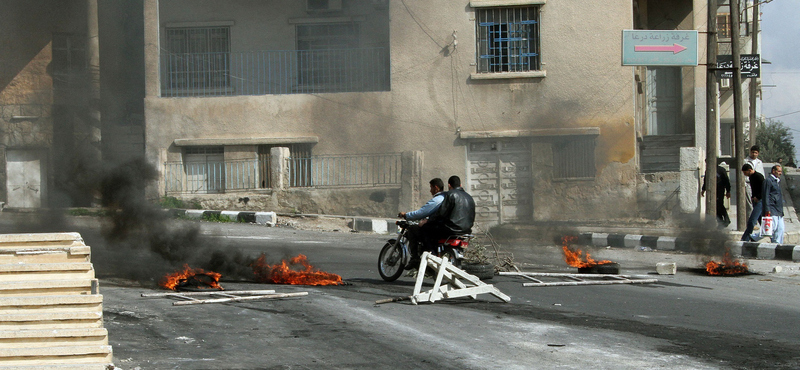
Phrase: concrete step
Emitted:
{"points": [[64, 319], [96, 354], [48, 287], [41, 240], [53, 337], [45, 271], [100, 366], [54, 303], [45, 255]]}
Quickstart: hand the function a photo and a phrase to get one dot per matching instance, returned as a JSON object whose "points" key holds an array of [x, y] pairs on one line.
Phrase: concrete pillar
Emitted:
{"points": [[92, 129], [410, 179], [279, 170], [692, 159], [152, 82]]}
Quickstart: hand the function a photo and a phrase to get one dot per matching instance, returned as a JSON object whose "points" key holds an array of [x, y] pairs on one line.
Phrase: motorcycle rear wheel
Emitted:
{"points": [[390, 261], [451, 256]]}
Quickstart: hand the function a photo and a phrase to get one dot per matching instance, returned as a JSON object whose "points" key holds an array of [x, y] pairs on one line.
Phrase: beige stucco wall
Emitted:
{"points": [[433, 98]]}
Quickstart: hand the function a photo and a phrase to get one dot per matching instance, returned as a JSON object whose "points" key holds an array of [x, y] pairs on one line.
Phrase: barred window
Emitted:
{"points": [[574, 159], [69, 60], [326, 55], [198, 57], [508, 39], [724, 25]]}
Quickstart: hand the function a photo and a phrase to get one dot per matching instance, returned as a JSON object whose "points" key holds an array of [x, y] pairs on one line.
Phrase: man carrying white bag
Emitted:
{"points": [[772, 211]]}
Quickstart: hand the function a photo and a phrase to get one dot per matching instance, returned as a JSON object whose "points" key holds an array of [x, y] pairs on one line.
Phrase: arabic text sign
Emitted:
{"points": [[750, 65], [659, 48]]}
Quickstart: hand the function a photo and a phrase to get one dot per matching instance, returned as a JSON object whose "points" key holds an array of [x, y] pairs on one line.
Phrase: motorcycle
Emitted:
{"points": [[394, 257]]}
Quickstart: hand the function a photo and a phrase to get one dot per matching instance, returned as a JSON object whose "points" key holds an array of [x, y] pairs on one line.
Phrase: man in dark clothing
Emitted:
{"points": [[756, 184], [455, 215], [723, 190], [772, 197]]}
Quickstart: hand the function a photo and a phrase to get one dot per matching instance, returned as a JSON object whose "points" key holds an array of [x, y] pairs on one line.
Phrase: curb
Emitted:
{"points": [[767, 251], [374, 225], [261, 218]]}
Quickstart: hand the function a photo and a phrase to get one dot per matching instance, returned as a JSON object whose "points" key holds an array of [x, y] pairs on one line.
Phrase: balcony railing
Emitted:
{"points": [[343, 171], [274, 72]]}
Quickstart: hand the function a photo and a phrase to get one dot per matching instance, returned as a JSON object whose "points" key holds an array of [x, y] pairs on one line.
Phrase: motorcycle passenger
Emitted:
{"points": [[455, 215], [415, 232]]}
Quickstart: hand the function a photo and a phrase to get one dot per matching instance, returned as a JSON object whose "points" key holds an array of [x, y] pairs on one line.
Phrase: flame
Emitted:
{"points": [[575, 257], [728, 266], [283, 274], [176, 279]]}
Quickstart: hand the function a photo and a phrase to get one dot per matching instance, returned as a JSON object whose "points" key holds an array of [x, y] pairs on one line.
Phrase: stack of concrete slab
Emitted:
{"points": [[51, 313]]}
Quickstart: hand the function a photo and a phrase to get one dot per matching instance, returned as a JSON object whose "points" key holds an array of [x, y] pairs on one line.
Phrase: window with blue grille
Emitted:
{"points": [[508, 39]]}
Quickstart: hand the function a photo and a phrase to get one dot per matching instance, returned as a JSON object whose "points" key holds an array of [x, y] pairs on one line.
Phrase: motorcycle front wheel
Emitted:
{"points": [[390, 261]]}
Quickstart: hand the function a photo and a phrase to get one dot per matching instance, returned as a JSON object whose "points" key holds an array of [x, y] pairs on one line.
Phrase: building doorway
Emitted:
{"points": [[663, 100], [500, 181], [26, 182]]}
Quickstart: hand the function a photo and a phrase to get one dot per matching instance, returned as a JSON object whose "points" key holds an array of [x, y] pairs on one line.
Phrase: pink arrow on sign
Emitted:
{"points": [[674, 48]]}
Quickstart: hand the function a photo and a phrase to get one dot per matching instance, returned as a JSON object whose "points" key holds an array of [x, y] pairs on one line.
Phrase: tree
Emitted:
{"points": [[775, 142]]}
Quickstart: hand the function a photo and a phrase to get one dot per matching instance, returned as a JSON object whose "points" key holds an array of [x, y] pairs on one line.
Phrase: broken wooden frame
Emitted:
{"points": [[227, 296], [457, 283], [577, 279]]}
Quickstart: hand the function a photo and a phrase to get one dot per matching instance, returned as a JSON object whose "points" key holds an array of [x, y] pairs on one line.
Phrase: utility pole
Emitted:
{"points": [[753, 81], [712, 132], [738, 131]]}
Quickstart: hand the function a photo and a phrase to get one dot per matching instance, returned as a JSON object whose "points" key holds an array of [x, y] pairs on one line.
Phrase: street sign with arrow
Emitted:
{"points": [[659, 48]]}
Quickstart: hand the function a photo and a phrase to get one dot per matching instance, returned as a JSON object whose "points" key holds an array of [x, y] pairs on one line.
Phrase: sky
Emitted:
{"points": [[780, 44]]}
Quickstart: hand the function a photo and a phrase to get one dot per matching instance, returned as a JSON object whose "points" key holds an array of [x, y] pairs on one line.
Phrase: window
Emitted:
{"points": [[204, 169], [724, 25], [574, 159], [198, 58], [508, 39], [299, 167], [326, 55], [69, 61]]}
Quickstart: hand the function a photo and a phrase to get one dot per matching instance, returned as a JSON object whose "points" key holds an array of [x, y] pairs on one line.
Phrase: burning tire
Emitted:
{"points": [[483, 271], [390, 261]]}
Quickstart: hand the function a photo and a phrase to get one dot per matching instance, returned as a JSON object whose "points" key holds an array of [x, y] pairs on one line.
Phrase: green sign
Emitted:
{"points": [[659, 48]]}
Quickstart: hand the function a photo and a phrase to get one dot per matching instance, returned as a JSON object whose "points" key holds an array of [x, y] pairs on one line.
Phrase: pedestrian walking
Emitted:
{"points": [[772, 197], [756, 181], [723, 191]]}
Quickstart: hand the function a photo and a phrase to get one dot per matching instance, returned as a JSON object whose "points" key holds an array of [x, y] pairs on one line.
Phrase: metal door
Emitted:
{"points": [[500, 181], [25, 170], [205, 173], [664, 100]]}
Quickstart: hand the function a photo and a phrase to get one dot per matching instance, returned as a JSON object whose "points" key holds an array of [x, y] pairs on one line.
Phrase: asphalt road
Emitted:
{"points": [[685, 321]]}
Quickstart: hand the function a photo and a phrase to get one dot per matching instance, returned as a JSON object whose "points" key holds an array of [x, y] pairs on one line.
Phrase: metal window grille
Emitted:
{"points": [[574, 159], [295, 151], [198, 58], [69, 60], [508, 39], [724, 25], [352, 170], [325, 55]]}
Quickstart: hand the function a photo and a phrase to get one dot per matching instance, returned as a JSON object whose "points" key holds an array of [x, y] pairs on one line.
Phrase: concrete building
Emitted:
{"points": [[53, 142], [351, 106]]}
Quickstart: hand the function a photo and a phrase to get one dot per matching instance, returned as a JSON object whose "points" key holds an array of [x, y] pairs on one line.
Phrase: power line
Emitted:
{"points": [[785, 114]]}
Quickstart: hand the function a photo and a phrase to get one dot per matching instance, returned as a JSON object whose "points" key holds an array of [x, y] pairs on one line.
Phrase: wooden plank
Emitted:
{"points": [[239, 299], [597, 282], [207, 293]]}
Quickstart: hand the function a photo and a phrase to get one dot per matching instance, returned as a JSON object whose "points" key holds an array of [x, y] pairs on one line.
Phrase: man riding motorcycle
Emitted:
{"points": [[455, 215], [416, 233]]}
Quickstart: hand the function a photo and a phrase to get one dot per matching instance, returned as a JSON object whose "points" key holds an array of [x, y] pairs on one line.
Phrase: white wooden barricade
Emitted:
{"points": [[451, 282]]}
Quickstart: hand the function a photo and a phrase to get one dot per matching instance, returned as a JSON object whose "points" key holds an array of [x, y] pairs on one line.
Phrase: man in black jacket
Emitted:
{"points": [[757, 184], [455, 215]]}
